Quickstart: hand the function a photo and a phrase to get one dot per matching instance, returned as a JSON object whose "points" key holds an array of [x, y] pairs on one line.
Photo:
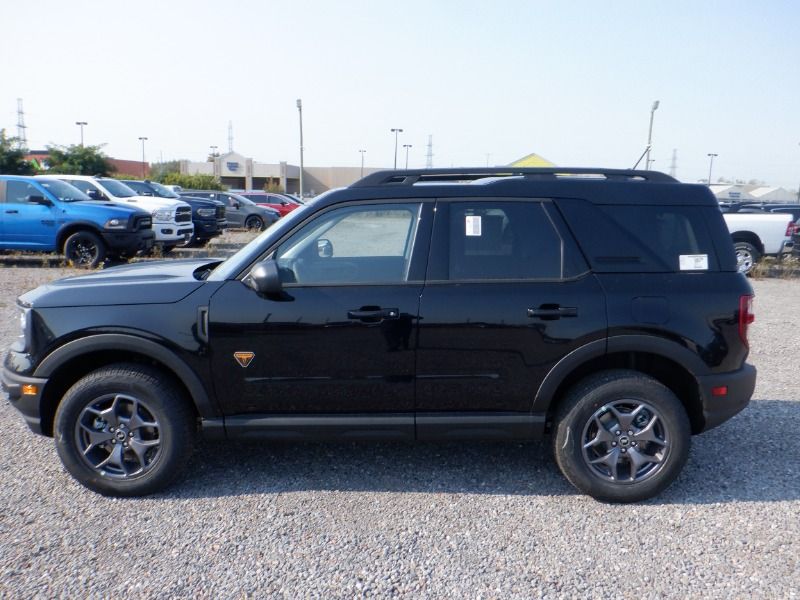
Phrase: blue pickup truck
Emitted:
{"points": [[49, 215]]}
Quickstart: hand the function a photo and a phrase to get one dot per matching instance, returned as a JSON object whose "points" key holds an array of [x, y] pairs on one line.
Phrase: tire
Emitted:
{"points": [[747, 256], [84, 249], [167, 248], [609, 425], [125, 430], [254, 223]]}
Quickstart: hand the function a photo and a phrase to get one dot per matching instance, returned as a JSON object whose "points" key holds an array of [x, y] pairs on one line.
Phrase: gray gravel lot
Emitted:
{"points": [[465, 520]]}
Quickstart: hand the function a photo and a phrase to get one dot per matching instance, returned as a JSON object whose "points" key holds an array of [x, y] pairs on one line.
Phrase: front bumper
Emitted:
{"points": [[173, 233], [718, 409], [206, 228], [26, 403], [129, 243]]}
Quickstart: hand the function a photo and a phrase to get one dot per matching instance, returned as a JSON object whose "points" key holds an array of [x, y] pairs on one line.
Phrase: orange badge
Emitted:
{"points": [[244, 358]]}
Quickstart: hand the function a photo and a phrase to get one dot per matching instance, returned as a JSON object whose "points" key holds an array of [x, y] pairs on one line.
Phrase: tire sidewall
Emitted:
{"points": [[254, 222], [94, 239], [569, 438], [84, 393]]}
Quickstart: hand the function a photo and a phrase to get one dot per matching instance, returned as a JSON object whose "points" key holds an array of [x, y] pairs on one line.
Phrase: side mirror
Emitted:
{"points": [[236, 205], [324, 248], [284, 203], [94, 194], [265, 278], [36, 199]]}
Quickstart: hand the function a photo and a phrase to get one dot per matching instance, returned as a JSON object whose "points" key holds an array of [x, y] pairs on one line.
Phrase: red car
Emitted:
{"points": [[283, 204]]}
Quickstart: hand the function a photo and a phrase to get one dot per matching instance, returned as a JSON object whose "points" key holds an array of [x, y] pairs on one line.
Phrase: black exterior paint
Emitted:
{"points": [[460, 358]]}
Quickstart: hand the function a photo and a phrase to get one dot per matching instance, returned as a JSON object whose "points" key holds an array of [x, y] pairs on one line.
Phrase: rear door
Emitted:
{"points": [[507, 296], [27, 224]]}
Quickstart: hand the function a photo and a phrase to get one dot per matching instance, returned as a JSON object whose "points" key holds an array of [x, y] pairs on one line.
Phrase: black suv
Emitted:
{"points": [[600, 307]]}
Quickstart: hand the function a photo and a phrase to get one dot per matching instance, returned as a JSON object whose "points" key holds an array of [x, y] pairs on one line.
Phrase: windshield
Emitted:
{"points": [[63, 191], [243, 200], [163, 192], [116, 188]]}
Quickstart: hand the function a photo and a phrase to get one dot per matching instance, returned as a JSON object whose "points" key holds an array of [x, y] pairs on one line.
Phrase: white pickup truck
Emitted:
{"points": [[759, 234]]}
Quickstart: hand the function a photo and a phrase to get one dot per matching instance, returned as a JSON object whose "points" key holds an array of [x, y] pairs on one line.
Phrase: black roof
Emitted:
{"points": [[598, 185]]}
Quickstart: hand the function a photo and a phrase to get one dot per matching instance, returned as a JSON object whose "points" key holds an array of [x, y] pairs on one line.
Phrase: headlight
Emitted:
{"points": [[162, 214], [206, 212], [116, 224], [24, 329]]}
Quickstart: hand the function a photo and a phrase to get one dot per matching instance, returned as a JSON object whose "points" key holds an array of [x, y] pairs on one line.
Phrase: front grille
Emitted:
{"points": [[183, 214], [142, 222], [220, 212]]}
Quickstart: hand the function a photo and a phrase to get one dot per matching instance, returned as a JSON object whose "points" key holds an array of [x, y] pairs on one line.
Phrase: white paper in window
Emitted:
{"points": [[693, 262], [473, 225]]}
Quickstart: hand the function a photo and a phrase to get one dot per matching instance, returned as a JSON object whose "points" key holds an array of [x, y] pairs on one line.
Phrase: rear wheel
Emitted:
{"points": [[124, 430], [254, 223], [621, 436], [747, 256], [84, 249]]}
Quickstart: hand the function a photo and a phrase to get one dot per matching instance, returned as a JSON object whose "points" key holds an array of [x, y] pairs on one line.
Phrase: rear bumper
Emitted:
{"points": [[718, 409], [27, 404]]}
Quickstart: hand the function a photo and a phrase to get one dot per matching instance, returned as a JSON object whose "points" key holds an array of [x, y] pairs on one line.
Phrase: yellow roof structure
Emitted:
{"points": [[532, 160]]}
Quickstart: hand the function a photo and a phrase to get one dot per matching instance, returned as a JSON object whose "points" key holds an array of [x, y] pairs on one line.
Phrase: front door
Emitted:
{"points": [[27, 224], [340, 337]]}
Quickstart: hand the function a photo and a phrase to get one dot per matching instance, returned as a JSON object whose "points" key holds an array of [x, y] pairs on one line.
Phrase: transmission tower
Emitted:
{"points": [[230, 136], [21, 127], [673, 166], [429, 153]]}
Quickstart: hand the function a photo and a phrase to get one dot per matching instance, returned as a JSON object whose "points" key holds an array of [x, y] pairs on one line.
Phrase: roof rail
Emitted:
{"points": [[412, 176]]}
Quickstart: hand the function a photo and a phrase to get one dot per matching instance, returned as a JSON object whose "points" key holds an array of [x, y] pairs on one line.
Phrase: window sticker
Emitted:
{"points": [[473, 225], [694, 262]]}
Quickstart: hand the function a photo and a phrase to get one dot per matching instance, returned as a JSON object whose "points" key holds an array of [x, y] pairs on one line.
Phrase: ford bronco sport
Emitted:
{"points": [[599, 308]]}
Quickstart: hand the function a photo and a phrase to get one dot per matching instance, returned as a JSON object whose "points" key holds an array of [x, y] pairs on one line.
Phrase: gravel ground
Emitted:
{"points": [[428, 520]]}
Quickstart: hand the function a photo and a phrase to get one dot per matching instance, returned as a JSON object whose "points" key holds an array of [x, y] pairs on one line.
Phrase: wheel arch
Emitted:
{"points": [[68, 363], [73, 227], [666, 361], [750, 238]]}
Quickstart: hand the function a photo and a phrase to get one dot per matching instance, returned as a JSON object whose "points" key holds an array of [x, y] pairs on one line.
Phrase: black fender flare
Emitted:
{"points": [[659, 346], [130, 343]]}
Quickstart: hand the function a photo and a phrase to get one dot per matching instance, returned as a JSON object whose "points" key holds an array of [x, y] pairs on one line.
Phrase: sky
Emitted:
{"points": [[489, 81]]}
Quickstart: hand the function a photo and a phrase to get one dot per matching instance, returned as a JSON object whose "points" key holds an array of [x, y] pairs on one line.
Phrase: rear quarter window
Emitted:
{"points": [[643, 238]]}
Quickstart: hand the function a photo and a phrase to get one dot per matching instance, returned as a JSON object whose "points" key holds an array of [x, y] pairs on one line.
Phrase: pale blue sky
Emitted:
{"points": [[572, 81]]}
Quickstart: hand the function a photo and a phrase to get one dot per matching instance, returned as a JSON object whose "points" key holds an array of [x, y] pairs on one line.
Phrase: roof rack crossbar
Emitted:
{"points": [[412, 176]]}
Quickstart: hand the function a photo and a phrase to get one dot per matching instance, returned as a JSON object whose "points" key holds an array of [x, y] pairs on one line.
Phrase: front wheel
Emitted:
{"points": [[747, 256], [621, 436], [124, 430], [84, 249], [254, 223]]}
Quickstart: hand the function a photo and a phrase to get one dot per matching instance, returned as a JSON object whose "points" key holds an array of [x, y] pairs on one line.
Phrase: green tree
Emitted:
{"points": [[158, 171], [12, 157], [193, 182], [79, 160]]}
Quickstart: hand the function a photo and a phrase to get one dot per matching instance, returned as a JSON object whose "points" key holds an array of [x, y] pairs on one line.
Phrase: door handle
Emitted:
{"points": [[368, 313], [12, 212], [551, 312]]}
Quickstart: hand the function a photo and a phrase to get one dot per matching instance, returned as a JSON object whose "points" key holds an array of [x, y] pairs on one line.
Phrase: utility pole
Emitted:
{"points": [[81, 124], [710, 155], [230, 136], [650, 135], [673, 166], [300, 112], [22, 136], [362, 161], [407, 146], [143, 140], [429, 153], [396, 132]]}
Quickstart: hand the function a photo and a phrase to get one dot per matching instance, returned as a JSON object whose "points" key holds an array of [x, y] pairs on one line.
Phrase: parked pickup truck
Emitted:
{"points": [[49, 215], [756, 235]]}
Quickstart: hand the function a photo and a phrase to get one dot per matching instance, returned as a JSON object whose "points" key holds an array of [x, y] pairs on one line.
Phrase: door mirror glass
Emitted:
{"points": [[265, 278], [324, 248]]}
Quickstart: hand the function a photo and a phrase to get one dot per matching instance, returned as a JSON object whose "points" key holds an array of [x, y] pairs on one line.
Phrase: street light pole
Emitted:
{"points": [[396, 132], [650, 135], [711, 156], [407, 146], [300, 112], [81, 124], [362, 161], [213, 151], [143, 140]]}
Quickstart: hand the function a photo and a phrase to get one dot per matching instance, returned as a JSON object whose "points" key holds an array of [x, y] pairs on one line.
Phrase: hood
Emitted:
{"points": [[151, 203], [154, 282]]}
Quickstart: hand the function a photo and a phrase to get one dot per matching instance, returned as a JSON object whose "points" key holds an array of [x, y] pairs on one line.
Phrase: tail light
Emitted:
{"points": [[746, 317], [792, 228]]}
